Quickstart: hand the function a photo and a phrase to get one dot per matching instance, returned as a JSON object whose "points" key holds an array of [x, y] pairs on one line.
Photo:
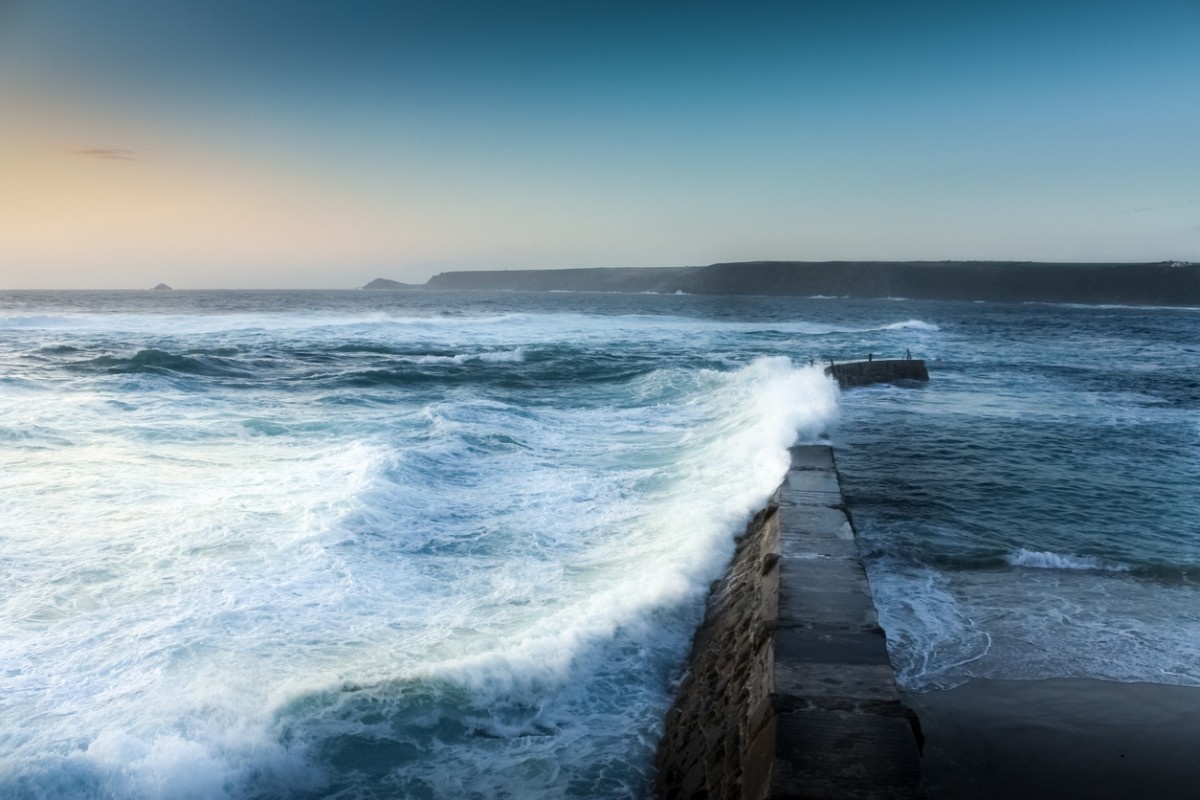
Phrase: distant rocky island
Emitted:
{"points": [[162, 287], [386, 284], [1173, 283]]}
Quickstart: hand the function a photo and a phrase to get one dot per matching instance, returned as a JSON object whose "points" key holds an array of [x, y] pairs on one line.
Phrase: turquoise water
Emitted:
{"points": [[361, 545]]}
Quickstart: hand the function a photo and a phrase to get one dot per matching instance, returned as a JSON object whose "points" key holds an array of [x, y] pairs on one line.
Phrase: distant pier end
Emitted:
{"points": [[863, 373]]}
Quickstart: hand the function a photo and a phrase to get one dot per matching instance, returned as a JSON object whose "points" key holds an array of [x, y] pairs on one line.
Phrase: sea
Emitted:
{"points": [[357, 544]]}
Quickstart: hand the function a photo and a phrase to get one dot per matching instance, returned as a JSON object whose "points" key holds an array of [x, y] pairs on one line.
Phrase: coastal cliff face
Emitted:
{"points": [[664, 280], [1160, 283], [1001, 281]]}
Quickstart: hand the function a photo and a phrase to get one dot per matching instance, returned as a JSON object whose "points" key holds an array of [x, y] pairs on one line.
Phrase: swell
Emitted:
{"points": [[447, 587]]}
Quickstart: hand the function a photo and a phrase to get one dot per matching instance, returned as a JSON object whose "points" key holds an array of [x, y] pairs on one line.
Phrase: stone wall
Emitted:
{"points": [[863, 373], [720, 734], [789, 692]]}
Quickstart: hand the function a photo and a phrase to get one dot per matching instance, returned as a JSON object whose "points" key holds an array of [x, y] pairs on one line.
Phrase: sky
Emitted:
{"points": [[273, 144]]}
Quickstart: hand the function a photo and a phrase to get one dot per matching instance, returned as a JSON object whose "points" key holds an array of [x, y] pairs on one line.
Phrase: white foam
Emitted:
{"points": [[932, 638], [725, 451], [912, 325], [188, 571], [945, 628], [1035, 559], [513, 356]]}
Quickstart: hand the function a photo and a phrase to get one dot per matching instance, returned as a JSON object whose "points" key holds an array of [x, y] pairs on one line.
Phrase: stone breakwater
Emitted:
{"points": [[789, 692], [864, 373]]}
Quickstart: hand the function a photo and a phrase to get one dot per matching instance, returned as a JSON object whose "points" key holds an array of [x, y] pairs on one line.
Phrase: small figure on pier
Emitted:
{"points": [[907, 354], [870, 356]]}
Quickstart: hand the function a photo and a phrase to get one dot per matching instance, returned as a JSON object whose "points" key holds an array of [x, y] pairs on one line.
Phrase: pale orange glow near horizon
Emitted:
{"points": [[68, 211], [310, 146]]}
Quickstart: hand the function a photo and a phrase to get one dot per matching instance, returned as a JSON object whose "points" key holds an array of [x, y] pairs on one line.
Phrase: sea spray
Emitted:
{"points": [[569, 672], [417, 544], [442, 582]]}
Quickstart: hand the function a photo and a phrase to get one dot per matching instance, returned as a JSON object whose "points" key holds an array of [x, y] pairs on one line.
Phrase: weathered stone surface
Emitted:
{"points": [[810, 486], [863, 373], [830, 754], [822, 684], [789, 692], [830, 644], [811, 456], [720, 736]]}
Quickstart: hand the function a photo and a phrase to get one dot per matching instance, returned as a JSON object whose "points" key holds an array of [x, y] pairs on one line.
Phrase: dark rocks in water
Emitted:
{"points": [[162, 287], [385, 283]]}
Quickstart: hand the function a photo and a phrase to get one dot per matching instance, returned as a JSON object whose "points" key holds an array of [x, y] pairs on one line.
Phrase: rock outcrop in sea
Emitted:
{"points": [[387, 284]]}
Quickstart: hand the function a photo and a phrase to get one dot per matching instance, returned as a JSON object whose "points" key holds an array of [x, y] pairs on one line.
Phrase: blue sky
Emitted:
{"points": [[302, 144]]}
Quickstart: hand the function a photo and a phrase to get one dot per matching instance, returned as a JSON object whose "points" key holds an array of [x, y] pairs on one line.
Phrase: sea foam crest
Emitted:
{"points": [[933, 639], [514, 356], [1041, 559], [729, 464], [911, 325]]}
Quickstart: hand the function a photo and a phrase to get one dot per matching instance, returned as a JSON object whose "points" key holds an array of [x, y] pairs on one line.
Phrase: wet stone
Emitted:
{"points": [[789, 692]]}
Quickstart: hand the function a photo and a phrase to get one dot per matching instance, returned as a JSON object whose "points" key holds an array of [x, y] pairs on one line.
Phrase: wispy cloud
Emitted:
{"points": [[1145, 209], [107, 153]]}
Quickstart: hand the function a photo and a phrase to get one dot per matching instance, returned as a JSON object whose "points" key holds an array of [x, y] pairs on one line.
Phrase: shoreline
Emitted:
{"points": [[1059, 738], [1166, 283]]}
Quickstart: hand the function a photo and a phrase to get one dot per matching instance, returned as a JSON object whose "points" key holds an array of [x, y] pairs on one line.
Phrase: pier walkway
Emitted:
{"points": [[790, 693]]}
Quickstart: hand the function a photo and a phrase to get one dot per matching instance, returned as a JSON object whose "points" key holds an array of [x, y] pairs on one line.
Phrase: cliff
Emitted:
{"points": [[1162, 283], [598, 279], [1159, 283]]}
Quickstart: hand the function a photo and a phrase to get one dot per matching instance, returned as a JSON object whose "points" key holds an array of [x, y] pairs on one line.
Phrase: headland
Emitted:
{"points": [[1167, 283]]}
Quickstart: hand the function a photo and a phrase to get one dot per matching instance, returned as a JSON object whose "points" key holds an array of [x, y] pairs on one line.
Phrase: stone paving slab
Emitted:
{"points": [[807, 520], [810, 486], [853, 683], [849, 609], [832, 644], [829, 754], [806, 575], [812, 456], [840, 728]]}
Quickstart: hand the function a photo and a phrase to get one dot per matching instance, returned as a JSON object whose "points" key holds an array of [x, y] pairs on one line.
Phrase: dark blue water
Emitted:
{"points": [[1032, 512]]}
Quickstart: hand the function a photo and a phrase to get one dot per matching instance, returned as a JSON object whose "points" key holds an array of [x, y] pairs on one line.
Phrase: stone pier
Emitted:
{"points": [[888, 370], [789, 692]]}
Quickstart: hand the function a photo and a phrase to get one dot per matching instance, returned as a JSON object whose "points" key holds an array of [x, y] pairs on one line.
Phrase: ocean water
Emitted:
{"points": [[391, 545]]}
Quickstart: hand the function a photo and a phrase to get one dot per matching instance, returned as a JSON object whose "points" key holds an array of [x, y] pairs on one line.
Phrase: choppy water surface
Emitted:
{"points": [[366, 545], [1033, 512]]}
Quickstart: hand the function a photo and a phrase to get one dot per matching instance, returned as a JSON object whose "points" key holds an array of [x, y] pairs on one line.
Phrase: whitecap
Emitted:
{"points": [[1042, 559]]}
